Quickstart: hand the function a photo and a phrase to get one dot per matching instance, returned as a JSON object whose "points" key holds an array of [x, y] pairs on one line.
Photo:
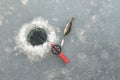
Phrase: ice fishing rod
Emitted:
{"points": [[56, 49]]}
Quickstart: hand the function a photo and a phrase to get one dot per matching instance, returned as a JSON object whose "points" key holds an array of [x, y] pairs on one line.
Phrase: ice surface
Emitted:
{"points": [[24, 2], [93, 45]]}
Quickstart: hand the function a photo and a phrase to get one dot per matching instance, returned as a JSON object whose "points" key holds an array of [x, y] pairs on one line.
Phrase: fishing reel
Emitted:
{"points": [[56, 49]]}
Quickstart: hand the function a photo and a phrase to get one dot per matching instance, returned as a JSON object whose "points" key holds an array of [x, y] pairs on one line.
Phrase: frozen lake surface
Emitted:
{"points": [[93, 45]]}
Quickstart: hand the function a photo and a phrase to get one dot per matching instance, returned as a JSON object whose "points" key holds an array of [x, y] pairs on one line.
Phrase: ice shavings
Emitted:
{"points": [[40, 51]]}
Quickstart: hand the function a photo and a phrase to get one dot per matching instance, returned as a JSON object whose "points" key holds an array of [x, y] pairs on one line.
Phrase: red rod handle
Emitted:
{"points": [[65, 59]]}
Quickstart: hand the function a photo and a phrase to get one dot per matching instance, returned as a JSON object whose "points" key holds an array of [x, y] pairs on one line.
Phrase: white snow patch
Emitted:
{"points": [[107, 8], [50, 74], [58, 30], [57, 1], [82, 37], [93, 3], [8, 49], [1, 19], [55, 75], [55, 19], [0, 23], [72, 40], [68, 8], [35, 52], [95, 18], [82, 57], [24, 2], [104, 54]]}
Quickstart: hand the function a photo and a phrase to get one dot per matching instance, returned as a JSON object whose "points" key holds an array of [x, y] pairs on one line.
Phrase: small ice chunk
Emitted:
{"points": [[24, 2]]}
